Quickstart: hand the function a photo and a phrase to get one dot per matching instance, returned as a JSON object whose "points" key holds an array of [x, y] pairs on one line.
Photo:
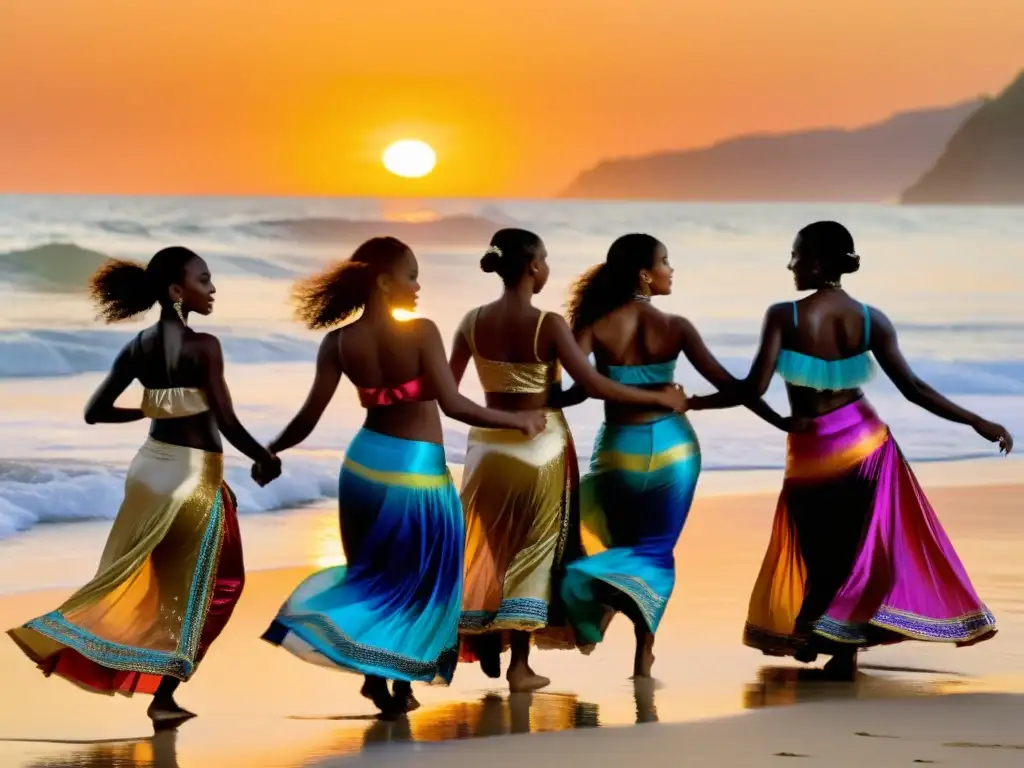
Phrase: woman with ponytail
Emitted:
{"points": [[171, 572], [519, 494], [644, 468], [392, 611]]}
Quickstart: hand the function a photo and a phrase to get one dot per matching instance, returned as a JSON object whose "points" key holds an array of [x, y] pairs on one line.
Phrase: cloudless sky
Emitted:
{"points": [[301, 96]]}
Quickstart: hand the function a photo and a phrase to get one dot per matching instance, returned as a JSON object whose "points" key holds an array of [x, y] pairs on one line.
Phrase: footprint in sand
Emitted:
{"points": [[874, 735], [972, 745]]}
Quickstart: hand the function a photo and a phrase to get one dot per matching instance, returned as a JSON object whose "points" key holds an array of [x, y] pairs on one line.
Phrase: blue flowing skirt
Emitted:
{"points": [[633, 505], [393, 609]]}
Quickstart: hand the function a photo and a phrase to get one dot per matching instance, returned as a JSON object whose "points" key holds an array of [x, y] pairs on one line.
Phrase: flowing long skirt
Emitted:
{"points": [[168, 580], [633, 506], [522, 524], [393, 609], [857, 556]]}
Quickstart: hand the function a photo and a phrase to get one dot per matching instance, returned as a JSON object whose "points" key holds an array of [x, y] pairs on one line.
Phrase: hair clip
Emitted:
{"points": [[494, 249]]}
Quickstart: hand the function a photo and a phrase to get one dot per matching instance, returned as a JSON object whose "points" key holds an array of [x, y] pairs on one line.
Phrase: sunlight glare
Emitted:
{"points": [[409, 158]]}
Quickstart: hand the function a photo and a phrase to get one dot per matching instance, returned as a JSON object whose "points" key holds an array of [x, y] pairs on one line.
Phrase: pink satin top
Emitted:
{"points": [[378, 397]]}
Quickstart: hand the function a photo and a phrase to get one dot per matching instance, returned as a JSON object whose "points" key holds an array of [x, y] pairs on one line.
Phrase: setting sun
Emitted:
{"points": [[409, 158]]}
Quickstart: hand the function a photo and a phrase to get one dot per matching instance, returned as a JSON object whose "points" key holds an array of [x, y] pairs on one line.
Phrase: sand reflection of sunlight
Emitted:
{"points": [[325, 544]]}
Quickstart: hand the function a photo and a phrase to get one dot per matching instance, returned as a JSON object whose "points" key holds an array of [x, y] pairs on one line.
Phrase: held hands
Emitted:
{"points": [[531, 423], [995, 433], [673, 397], [267, 470]]}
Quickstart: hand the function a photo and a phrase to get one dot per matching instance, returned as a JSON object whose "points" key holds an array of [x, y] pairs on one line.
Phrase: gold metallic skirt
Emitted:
{"points": [[169, 577], [519, 497]]}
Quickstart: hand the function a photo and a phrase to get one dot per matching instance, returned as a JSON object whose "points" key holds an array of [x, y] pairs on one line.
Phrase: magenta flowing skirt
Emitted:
{"points": [[857, 556]]}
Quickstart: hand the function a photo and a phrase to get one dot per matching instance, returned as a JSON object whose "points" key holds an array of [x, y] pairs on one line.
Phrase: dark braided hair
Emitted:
{"points": [[606, 287], [123, 289], [341, 290]]}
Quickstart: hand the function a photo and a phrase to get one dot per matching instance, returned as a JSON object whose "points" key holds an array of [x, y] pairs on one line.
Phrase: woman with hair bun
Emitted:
{"points": [[643, 472], [171, 572], [519, 495], [857, 556], [392, 611]]}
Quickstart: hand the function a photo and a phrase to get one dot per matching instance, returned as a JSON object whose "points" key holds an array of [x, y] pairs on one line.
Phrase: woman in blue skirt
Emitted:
{"points": [[645, 464], [392, 611]]}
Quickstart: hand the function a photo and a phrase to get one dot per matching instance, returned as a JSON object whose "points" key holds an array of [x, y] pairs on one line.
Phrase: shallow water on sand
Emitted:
{"points": [[262, 708]]}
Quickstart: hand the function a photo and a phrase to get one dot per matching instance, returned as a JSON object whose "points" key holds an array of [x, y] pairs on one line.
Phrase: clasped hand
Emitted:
{"points": [[266, 471]]}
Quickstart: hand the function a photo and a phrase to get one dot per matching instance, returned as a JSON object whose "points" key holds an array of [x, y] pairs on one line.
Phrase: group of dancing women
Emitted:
{"points": [[527, 553]]}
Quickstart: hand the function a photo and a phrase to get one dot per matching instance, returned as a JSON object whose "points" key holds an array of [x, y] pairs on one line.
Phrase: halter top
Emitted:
{"points": [[173, 403], [412, 391], [497, 376], [644, 375], [812, 372]]}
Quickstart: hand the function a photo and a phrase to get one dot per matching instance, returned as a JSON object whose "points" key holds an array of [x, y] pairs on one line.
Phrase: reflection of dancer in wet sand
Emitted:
{"points": [[519, 494], [643, 473], [392, 612], [171, 572], [857, 557]]}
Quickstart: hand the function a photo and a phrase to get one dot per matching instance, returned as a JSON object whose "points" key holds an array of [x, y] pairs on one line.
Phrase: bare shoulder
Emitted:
{"points": [[205, 343], [422, 329], [779, 312]]}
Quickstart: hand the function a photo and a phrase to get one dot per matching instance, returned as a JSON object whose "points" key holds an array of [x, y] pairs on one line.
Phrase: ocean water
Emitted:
{"points": [[952, 279]]}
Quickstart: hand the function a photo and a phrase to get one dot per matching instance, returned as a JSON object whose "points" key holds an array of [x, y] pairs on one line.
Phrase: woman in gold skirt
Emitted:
{"points": [[171, 572], [519, 494]]}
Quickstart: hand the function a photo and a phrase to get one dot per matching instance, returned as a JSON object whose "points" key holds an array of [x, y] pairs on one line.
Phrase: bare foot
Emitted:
{"points": [[163, 711], [522, 679], [402, 692], [376, 690], [842, 668], [644, 659]]}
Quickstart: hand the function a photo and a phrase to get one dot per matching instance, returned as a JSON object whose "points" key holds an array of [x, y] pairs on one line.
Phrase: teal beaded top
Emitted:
{"points": [[644, 375], [802, 370]]}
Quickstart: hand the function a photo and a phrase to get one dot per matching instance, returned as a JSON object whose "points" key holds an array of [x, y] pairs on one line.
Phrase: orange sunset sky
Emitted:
{"points": [[300, 96]]}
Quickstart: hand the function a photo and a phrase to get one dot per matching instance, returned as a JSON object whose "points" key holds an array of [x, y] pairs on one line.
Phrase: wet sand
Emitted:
{"points": [[259, 706]]}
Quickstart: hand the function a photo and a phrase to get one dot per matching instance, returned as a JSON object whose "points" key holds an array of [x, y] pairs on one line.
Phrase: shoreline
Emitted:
{"points": [[307, 535], [306, 715]]}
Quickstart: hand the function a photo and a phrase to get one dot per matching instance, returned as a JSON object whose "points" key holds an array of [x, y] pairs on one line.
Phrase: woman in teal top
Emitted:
{"points": [[644, 468], [857, 557]]}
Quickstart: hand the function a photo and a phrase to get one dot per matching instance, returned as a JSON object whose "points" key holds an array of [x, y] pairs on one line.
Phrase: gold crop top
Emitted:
{"points": [[173, 403], [497, 376]]}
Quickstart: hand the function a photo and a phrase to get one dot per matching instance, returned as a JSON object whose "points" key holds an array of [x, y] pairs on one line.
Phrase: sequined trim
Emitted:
{"points": [[523, 613], [960, 629], [319, 632], [179, 663], [650, 603]]}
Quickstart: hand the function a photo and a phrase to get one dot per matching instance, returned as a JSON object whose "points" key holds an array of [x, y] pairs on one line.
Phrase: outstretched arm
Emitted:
{"points": [[442, 383], [577, 393], [325, 384], [705, 363], [223, 409], [761, 369], [101, 409], [886, 348], [576, 364]]}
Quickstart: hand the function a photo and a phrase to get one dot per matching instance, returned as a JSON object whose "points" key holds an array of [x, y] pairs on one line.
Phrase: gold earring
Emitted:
{"points": [[646, 280], [181, 315]]}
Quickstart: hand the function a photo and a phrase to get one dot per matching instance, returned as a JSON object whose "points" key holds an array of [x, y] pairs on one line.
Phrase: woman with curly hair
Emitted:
{"points": [[171, 572], [520, 495], [644, 468], [392, 611]]}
